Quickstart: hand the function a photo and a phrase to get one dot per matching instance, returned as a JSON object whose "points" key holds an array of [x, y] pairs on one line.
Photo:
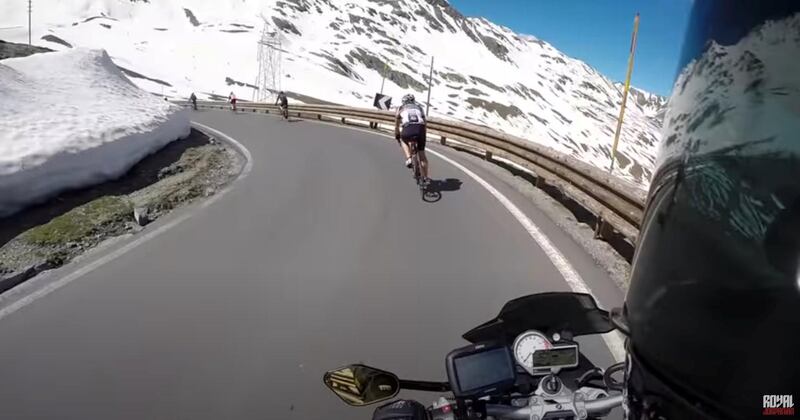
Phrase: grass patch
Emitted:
{"points": [[81, 222]]}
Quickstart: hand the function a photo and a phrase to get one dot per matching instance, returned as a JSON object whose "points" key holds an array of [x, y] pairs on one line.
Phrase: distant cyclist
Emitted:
{"points": [[193, 99], [283, 103], [410, 125], [232, 100]]}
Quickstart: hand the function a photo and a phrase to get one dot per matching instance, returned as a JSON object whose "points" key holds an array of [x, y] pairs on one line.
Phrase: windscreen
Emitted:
{"points": [[552, 311], [480, 370]]}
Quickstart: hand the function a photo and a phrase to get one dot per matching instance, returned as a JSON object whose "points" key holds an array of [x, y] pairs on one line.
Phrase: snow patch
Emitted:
{"points": [[78, 126]]}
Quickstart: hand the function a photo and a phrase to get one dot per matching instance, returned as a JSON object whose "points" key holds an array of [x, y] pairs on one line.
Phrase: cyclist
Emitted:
{"points": [[283, 103], [193, 99], [410, 125], [232, 100]]}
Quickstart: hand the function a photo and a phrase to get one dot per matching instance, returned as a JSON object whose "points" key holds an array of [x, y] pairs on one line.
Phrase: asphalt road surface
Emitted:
{"points": [[324, 255]]}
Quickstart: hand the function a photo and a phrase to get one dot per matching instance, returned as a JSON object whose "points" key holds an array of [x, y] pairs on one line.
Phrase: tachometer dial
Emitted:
{"points": [[527, 343]]}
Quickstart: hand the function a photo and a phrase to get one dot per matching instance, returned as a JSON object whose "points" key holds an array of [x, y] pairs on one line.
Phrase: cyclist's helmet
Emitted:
{"points": [[408, 99]]}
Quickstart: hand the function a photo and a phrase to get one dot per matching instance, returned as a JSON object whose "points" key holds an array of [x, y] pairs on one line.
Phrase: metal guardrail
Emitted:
{"points": [[617, 204]]}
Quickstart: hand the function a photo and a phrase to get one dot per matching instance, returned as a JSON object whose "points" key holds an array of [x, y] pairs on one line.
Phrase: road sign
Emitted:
{"points": [[382, 102]]}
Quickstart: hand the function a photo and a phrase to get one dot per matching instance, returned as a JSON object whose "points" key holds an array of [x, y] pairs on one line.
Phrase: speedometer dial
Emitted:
{"points": [[524, 346]]}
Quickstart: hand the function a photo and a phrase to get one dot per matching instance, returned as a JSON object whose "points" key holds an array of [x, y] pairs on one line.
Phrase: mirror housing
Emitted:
{"points": [[360, 385]]}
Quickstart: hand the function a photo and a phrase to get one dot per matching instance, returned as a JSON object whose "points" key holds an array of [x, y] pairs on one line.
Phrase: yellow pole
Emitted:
{"points": [[625, 92]]}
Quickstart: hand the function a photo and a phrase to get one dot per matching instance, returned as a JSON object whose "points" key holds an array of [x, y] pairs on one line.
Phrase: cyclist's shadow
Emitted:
{"points": [[433, 192]]}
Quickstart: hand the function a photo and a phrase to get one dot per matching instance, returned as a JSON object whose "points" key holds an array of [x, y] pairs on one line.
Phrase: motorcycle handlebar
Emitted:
{"points": [[427, 386], [597, 406], [603, 404], [508, 412]]}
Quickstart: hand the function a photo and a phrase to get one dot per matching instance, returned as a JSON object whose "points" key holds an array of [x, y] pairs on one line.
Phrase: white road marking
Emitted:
{"points": [[239, 146], [45, 290]]}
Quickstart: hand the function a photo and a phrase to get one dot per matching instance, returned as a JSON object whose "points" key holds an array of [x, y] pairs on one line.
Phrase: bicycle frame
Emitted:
{"points": [[416, 166]]}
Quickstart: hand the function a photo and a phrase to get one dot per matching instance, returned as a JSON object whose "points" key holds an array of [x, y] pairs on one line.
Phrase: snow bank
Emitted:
{"points": [[71, 119]]}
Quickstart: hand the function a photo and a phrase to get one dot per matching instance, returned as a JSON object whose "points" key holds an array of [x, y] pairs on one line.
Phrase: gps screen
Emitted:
{"points": [[481, 370]]}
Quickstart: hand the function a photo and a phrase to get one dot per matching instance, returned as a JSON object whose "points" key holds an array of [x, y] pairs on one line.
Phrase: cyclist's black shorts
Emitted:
{"points": [[414, 132]]}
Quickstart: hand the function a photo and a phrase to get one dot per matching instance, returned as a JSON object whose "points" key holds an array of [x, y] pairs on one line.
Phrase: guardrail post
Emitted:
{"points": [[443, 140], [602, 229], [487, 155], [319, 116], [343, 121], [540, 183]]}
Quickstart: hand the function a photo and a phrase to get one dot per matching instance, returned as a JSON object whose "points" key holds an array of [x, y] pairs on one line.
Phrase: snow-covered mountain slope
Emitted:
{"points": [[651, 104], [71, 119], [337, 50]]}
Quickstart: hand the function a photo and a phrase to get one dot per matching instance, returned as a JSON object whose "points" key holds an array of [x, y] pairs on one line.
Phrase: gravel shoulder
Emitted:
{"points": [[51, 234]]}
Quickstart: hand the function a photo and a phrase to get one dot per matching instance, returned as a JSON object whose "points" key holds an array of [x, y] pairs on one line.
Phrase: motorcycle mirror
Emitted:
{"points": [[360, 385]]}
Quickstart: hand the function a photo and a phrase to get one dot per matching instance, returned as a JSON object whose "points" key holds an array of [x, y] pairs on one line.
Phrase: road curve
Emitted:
{"points": [[325, 254]]}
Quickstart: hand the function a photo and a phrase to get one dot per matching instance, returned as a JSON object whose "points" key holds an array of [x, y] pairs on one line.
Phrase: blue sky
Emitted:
{"points": [[599, 32]]}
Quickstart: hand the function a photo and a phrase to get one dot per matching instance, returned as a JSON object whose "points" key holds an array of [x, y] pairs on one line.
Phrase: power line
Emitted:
{"points": [[30, 10]]}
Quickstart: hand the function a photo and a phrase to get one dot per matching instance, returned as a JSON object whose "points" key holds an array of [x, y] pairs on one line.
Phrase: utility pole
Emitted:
{"points": [[30, 9], [430, 83], [625, 92]]}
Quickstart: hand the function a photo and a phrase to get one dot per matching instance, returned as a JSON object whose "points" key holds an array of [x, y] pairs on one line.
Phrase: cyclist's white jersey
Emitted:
{"points": [[411, 114]]}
